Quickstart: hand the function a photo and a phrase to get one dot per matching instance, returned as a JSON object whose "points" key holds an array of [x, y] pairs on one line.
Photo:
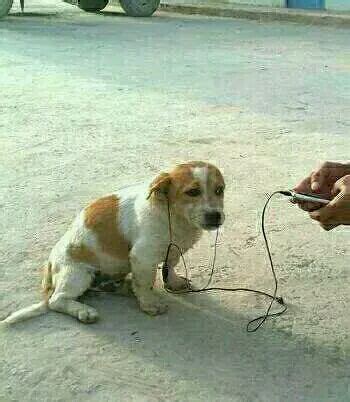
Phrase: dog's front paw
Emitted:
{"points": [[153, 307], [177, 283], [88, 315]]}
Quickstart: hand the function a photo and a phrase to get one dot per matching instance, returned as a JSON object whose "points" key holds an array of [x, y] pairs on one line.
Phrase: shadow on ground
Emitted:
{"points": [[199, 338]]}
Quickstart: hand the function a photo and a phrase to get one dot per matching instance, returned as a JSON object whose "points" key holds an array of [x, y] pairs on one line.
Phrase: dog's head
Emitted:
{"points": [[195, 190]]}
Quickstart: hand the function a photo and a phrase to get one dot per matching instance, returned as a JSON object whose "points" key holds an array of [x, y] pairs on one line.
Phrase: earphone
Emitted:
{"points": [[302, 197]]}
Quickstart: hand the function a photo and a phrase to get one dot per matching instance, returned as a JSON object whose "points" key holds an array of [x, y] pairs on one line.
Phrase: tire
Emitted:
{"points": [[139, 8], [5, 7], [91, 6]]}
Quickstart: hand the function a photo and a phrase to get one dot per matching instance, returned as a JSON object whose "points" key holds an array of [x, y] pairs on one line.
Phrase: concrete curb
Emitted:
{"points": [[262, 14]]}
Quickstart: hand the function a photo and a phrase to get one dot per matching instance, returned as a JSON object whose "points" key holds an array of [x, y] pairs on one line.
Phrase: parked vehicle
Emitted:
{"points": [[132, 8], [5, 7]]}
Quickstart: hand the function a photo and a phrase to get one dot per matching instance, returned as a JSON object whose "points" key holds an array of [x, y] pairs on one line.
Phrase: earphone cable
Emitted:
{"points": [[259, 320]]}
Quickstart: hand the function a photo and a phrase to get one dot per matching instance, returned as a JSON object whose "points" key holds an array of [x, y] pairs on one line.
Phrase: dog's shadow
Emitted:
{"points": [[203, 338]]}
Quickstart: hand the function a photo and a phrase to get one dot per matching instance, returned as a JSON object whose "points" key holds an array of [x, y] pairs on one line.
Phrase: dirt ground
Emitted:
{"points": [[90, 103]]}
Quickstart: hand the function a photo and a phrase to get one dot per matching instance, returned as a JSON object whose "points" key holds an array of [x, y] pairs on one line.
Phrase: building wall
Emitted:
{"points": [[330, 4], [338, 5], [272, 3]]}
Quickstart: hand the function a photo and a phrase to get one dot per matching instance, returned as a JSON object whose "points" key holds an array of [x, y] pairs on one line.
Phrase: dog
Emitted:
{"points": [[126, 234]]}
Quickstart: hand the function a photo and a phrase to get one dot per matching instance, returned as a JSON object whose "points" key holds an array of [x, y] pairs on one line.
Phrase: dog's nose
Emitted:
{"points": [[212, 218]]}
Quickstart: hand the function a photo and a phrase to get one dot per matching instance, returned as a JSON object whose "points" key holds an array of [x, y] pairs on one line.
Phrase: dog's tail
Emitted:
{"points": [[35, 309], [25, 313]]}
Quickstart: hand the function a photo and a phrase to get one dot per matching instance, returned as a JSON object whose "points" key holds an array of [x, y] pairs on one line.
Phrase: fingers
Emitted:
{"points": [[319, 178], [330, 181], [323, 178], [304, 186], [321, 216], [343, 184], [309, 206], [329, 215], [316, 180], [324, 218]]}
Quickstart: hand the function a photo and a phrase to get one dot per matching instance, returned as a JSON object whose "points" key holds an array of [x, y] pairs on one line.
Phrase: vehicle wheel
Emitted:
{"points": [[92, 5], [5, 7], [139, 8]]}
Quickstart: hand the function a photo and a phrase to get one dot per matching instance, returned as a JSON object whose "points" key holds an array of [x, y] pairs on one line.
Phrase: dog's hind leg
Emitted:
{"points": [[70, 283]]}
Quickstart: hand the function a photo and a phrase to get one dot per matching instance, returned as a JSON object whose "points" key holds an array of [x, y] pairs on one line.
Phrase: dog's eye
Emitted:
{"points": [[194, 192], [219, 190]]}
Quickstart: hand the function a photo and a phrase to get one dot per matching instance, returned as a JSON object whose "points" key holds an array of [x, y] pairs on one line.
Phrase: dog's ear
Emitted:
{"points": [[160, 186]]}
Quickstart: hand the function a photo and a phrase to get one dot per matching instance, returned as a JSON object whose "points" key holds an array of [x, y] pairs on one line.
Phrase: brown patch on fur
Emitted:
{"points": [[82, 253], [173, 184], [215, 177], [160, 185], [183, 175], [46, 283], [102, 217], [214, 173]]}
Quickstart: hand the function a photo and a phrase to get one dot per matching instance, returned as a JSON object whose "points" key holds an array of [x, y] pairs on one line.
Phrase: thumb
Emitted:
{"points": [[324, 215], [315, 186], [338, 186]]}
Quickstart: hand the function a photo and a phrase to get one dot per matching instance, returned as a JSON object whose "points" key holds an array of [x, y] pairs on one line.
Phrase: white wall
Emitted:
{"points": [[271, 3], [330, 4], [338, 5], [341, 5]]}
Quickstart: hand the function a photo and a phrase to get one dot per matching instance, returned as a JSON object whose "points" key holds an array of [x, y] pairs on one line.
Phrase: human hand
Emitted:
{"points": [[321, 182], [337, 212]]}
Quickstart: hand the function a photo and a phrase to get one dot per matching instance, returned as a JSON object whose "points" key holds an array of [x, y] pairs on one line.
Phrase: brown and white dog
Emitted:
{"points": [[128, 232]]}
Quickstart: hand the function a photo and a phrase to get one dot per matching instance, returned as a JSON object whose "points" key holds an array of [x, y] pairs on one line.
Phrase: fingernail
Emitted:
{"points": [[315, 186]]}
